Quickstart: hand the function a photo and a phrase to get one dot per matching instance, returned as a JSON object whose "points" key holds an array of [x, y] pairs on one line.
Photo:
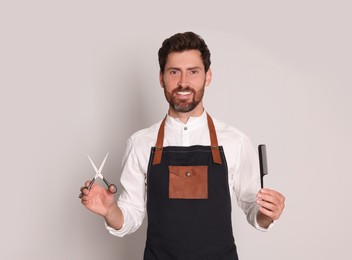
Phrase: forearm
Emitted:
{"points": [[114, 217]]}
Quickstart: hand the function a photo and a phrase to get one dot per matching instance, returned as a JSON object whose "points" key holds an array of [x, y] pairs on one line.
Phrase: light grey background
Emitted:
{"points": [[79, 77]]}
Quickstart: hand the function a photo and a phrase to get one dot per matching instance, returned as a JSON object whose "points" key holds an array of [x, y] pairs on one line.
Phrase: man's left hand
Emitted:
{"points": [[271, 203]]}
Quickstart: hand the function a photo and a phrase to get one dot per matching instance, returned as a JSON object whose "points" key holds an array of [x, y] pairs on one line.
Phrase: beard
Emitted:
{"points": [[184, 105]]}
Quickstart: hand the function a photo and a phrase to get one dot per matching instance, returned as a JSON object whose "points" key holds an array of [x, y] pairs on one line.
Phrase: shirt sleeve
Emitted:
{"points": [[247, 182], [132, 198]]}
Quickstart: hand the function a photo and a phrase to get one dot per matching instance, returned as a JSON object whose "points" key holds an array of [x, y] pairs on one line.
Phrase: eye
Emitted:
{"points": [[193, 72], [173, 72]]}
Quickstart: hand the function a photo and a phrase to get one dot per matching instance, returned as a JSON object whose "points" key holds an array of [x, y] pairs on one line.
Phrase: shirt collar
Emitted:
{"points": [[192, 123]]}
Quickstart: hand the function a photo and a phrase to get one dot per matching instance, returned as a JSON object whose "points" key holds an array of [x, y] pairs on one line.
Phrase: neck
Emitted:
{"points": [[184, 116]]}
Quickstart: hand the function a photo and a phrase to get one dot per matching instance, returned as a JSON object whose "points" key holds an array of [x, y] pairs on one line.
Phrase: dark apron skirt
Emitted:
{"points": [[188, 203]]}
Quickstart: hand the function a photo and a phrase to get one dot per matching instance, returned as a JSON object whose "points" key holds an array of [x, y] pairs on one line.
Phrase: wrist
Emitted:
{"points": [[263, 220], [113, 217]]}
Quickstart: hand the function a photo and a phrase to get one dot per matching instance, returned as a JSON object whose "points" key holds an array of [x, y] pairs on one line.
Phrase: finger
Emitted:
{"points": [[271, 196], [85, 198], [275, 207], [268, 199], [265, 196], [268, 213], [112, 188], [85, 191], [272, 193], [85, 202], [83, 188], [267, 205], [271, 210]]}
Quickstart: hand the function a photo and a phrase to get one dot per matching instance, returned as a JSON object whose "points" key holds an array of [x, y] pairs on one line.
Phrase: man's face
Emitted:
{"points": [[184, 80]]}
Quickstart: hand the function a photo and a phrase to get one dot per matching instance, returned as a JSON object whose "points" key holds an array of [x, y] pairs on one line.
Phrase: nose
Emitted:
{"points": [[183, 80]]}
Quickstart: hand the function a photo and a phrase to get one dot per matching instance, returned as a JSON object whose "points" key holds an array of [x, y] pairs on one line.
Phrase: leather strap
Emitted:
{"points": [[159, 143], [213, 142]]}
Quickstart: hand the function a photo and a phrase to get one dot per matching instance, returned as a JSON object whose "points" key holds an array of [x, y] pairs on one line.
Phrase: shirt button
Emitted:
{"points": [[188, 174], [185, 128]]}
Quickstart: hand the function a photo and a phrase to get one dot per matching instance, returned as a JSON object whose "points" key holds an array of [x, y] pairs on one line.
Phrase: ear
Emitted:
{"points": [[208, 77], [161, 80]]}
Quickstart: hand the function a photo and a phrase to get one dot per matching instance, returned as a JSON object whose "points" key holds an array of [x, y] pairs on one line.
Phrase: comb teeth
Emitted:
{"points": [[263, 159], [263, 163]]}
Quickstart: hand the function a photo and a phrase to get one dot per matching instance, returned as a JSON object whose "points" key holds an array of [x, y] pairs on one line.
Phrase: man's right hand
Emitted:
{"points": [[98, 200]]}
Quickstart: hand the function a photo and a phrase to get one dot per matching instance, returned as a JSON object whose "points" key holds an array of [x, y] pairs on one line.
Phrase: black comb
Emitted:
{"points": [[263, 163]]}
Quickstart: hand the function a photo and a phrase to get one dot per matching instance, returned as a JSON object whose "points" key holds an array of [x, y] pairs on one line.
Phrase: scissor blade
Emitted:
{"points": [[102, 164], [95, 168]]}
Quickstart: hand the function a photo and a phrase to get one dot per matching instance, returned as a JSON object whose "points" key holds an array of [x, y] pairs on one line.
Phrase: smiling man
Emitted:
{"points": [[184, 79], [186, 170]]}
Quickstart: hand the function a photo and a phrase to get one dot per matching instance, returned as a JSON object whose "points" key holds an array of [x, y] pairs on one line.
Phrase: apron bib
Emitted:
{"points": [[188, 202]]}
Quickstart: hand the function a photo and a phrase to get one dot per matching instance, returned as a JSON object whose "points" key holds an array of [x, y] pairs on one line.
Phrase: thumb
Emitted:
{"points": [[112, 188]]}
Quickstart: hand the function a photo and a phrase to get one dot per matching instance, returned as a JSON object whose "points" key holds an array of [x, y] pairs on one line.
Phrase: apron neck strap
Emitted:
{"points": [[213, 142]]}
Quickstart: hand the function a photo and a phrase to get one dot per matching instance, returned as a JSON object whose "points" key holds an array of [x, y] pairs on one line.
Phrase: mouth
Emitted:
{"points": [[183, 93]]}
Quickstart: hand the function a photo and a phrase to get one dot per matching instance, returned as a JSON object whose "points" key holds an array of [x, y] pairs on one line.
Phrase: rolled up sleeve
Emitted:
{"points": [[133, 195], [247, 182]]}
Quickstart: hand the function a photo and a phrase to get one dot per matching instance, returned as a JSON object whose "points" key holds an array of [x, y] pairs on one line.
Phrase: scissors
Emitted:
{"points": [[99, 175]]}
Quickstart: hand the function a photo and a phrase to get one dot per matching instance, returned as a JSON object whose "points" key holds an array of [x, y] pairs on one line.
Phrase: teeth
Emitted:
{"points": [[183, 93]]}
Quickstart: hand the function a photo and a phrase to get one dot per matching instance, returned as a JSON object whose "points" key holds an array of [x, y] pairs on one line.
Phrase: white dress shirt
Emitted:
{"points": [[241, 157]]}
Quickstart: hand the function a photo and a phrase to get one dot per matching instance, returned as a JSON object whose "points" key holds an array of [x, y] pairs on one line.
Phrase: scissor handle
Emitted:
{"points": [[90, 184], [114, 190], [109, 185]]}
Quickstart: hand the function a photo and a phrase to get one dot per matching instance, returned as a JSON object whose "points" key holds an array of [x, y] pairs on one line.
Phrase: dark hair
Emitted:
{"points": [[183, 42]]}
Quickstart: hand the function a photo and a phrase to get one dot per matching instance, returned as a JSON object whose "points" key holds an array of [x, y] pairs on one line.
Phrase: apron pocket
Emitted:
{"points": [[188, 182]]}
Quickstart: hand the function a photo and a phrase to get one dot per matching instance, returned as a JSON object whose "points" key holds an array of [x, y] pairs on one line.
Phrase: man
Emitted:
{"points": [[184, 170]]}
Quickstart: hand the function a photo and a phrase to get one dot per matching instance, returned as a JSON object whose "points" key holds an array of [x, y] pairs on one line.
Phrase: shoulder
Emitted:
{"points": [[231, 137], [225, 130], [146, 136], [237, 145]]}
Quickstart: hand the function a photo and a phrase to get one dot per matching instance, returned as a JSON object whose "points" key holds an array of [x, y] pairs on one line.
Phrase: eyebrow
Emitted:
{"points": [[191, 68]]}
